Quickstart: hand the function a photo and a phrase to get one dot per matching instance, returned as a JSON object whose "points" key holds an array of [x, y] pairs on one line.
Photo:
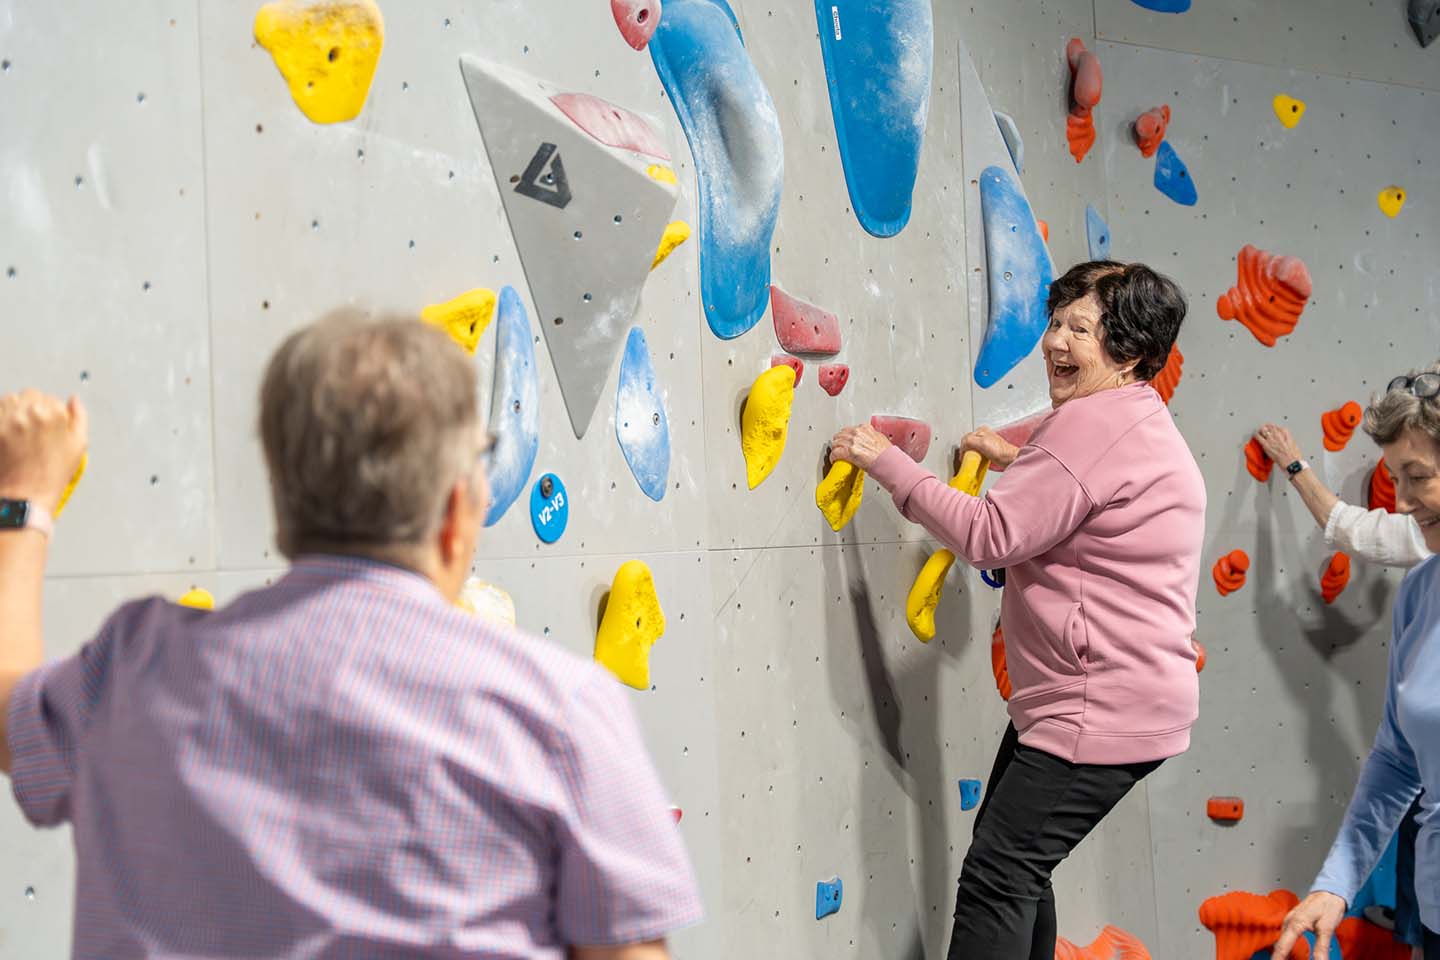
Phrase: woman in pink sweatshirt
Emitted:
{"points": [[1098, 522]]}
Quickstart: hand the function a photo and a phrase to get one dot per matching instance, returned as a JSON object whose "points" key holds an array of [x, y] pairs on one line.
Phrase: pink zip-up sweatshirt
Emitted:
{"points": [[1099, 525]]}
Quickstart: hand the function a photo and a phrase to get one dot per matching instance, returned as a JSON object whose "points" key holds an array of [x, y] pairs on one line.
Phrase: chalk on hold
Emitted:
{"points": [[637, 20], [1381, 488], [1424, 16], [632, 623], [803, 327], [1244, 923], [1335, 578], [486, 601], [1339, 425], [75, 482], [1257, 461], [465, 317], [998, 664], [1013, 141], [838, 495], [1168, 378], [924, 595], [611, 124], [1085, 84], [197, 598], [1018, 275], [910, 435], [1097, 234], [794, 363], [828, 894], [1229, 572], [1288, 110], [514, 406], [1112, 943], [1270, 294], [1172, 177], [765, 422], [969, 794], [833, 377], [1225, 809], [1149, 129], [642, 425], [325, 51], [1199, 655], [676, 233], [1391, 199]]}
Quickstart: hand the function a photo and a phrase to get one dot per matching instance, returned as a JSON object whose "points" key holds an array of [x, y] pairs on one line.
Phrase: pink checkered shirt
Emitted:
{"points": [[343, 765]]}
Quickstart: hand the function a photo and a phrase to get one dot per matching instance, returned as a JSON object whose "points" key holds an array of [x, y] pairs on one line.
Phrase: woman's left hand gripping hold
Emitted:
{"points": [[860, 445]]}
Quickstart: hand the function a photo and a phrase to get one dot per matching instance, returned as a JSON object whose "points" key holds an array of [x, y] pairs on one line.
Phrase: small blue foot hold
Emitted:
{"points": [[1097, 234], [1163, 6], [827, 897], [969, 794], [1172, 178]]}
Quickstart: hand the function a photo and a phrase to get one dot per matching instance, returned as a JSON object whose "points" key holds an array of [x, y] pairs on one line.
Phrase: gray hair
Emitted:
{"points": [[366, 424], [1392, 413]]}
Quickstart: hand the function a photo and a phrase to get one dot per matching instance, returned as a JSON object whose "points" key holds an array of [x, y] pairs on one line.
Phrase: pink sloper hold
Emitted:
{"points": [[612, 125], [803, 327], [833, 377], [794, 363], [912, 436], [637, 20]]}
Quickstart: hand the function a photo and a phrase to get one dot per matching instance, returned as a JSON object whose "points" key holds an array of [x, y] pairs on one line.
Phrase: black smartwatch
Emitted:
{"points": [[1296, 467]]}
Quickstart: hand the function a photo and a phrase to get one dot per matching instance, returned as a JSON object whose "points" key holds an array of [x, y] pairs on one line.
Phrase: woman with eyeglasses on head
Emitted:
{"points": [[1405, 758]]}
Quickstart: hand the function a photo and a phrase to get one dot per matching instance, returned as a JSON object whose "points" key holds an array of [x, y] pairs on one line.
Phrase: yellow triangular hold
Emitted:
{"points": [[675, 234], [197, 599], [838, 495], [632, 623], [925, 595], [1391, 199], [1288, 110], [464, 318], [326, 50], [74, 482], [766, 422]]}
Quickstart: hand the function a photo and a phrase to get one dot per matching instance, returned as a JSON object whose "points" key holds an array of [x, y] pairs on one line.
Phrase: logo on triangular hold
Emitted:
{"points": [[552, 188]]}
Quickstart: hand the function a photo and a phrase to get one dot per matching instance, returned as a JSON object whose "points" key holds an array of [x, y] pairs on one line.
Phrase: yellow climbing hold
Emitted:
{"points": [[971, 474], [74, 482], [632, 623], [1288, 110], [486, 601], [766, 422], [1391, 199], [838, 495], [675, 234], [662, 173], [464, 318], [197, 599], [925, 595], [326, 50]]}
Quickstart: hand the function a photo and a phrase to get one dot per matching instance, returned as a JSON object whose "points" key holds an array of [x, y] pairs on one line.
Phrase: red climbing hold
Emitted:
{"points": [[912, 436], [1359, 939], [1246, 923], [1257, 461], [1199, 655], [803, 327], [998, 664], [1085, 82], [1270, 294], [794, 363], [637, 20], [1044, 230], [677, 813], [1225, 809], [1229, 572], [833, 377], [1382, 488], [1080, 134], [1338, 425], [612, 125], [1150, 129], [1335, 577], [1112, 944], [1168, 378]]}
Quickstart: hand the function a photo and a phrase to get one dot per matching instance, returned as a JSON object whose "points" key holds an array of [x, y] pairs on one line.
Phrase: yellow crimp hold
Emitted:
{"points": [[675, 234], [662, 173], [972, 473], [766, 422], [74, 482], [1288, 110], [838, 495], [925, 595], [1391, 199], [197, 599], [326, 50], [464, 318], [632, 623]]}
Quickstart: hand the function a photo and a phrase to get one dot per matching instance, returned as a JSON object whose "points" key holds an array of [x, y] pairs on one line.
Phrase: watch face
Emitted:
{"points": [[13, 514]]}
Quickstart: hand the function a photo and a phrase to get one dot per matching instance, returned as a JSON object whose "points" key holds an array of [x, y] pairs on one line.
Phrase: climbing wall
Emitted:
{"points": [[188, 214]]}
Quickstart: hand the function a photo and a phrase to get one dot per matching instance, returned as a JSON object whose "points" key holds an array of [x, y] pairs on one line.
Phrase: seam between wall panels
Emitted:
{"points": [[199, 9]]}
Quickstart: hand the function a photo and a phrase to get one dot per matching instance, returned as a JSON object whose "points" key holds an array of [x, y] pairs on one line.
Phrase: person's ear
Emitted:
{"points": [[452, 534]]}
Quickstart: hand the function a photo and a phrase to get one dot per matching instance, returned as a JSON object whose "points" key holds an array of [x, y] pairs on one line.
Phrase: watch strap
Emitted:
{"points": [[1296, 467], [32, 516]]}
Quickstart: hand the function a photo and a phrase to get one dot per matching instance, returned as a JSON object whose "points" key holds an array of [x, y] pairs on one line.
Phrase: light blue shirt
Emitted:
{"points": [[1405, 757]]}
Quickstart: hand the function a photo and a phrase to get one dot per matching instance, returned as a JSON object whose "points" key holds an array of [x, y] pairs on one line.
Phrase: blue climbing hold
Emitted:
{"points": [[828, 895], [1020, 274], [549, 508], [1172, 178], [969, 794], [1097, 234], [1163, 6], [993, 578], [734, 135], [878, 60], [1335, 954], [640, 422], [514, 406], [1010, 133]]}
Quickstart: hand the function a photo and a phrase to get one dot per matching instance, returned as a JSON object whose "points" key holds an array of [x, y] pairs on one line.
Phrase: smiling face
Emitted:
{"points": [[1075, 358], [1413, 459]]}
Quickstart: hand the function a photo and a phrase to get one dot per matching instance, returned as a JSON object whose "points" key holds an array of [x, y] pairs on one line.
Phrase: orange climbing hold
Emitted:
{"points": [[999, 665], [1199, 655], [1230, 570], [1168, 378], [1359, 939], [1112, 944], [1225, 809], [1335, 577], [1382, 488], [1080, 134], [1269, 296], [1245, 923], [1257, 461], [1085, 83], [1338, 425], [1150, 129], [1044, 230]]}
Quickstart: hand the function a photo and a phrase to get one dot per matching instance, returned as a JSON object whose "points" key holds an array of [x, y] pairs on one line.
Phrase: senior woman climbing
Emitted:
{"points": [[1405, 758], [1098, 521]]}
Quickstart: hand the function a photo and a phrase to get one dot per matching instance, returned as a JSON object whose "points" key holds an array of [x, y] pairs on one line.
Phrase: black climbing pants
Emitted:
{"points": [[1036, 810], [1432, 944]]}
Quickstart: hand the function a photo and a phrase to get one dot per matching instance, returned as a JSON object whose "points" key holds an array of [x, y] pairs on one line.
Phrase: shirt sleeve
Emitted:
{"points": [[624, 876], [1035, 505], [1379, 536]]}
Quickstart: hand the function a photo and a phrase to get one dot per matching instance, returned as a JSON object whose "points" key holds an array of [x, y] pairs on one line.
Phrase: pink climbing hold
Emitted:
{"points": [[1150, 129], [803, 327], [637, 20], [612, 125], [912, 436], [794, 363], [833, 377]]}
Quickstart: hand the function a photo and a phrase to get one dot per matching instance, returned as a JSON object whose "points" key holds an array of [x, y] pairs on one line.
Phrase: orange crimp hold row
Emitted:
{"points": [[1335, 577], [1230, 570], [1112, 944], [1339, 424], [1269, 295], [1382, 488], [998, 664], [1244, 923], [1257, 461], [1168, 378]]}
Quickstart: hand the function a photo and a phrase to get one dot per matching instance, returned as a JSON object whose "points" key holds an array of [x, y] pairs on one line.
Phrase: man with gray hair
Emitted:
{"points": [[345, 763]]}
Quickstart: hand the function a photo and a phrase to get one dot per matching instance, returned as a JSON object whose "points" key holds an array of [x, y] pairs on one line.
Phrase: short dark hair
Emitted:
{"points": [[1140, 310]]}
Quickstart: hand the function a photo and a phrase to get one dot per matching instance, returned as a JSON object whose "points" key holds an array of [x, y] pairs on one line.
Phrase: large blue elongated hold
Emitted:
{"points": [[1164, 6], [1172, 178], [1020, 273], [641, 425], [514, 406], [734, 134], [879, 55]]}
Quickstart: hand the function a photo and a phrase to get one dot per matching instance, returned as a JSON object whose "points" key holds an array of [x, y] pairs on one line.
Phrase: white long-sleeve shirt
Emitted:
{"points": [[1379, 536]]}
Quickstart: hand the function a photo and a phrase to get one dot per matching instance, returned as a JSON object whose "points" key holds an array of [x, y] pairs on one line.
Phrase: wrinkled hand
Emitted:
{"points": [[42, 439], [1279, 444], [860, 445], [1319, 913], [990, 445]]}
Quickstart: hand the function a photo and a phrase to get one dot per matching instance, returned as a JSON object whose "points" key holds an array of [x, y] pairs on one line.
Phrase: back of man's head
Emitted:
{"points": [[367, 424]]}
